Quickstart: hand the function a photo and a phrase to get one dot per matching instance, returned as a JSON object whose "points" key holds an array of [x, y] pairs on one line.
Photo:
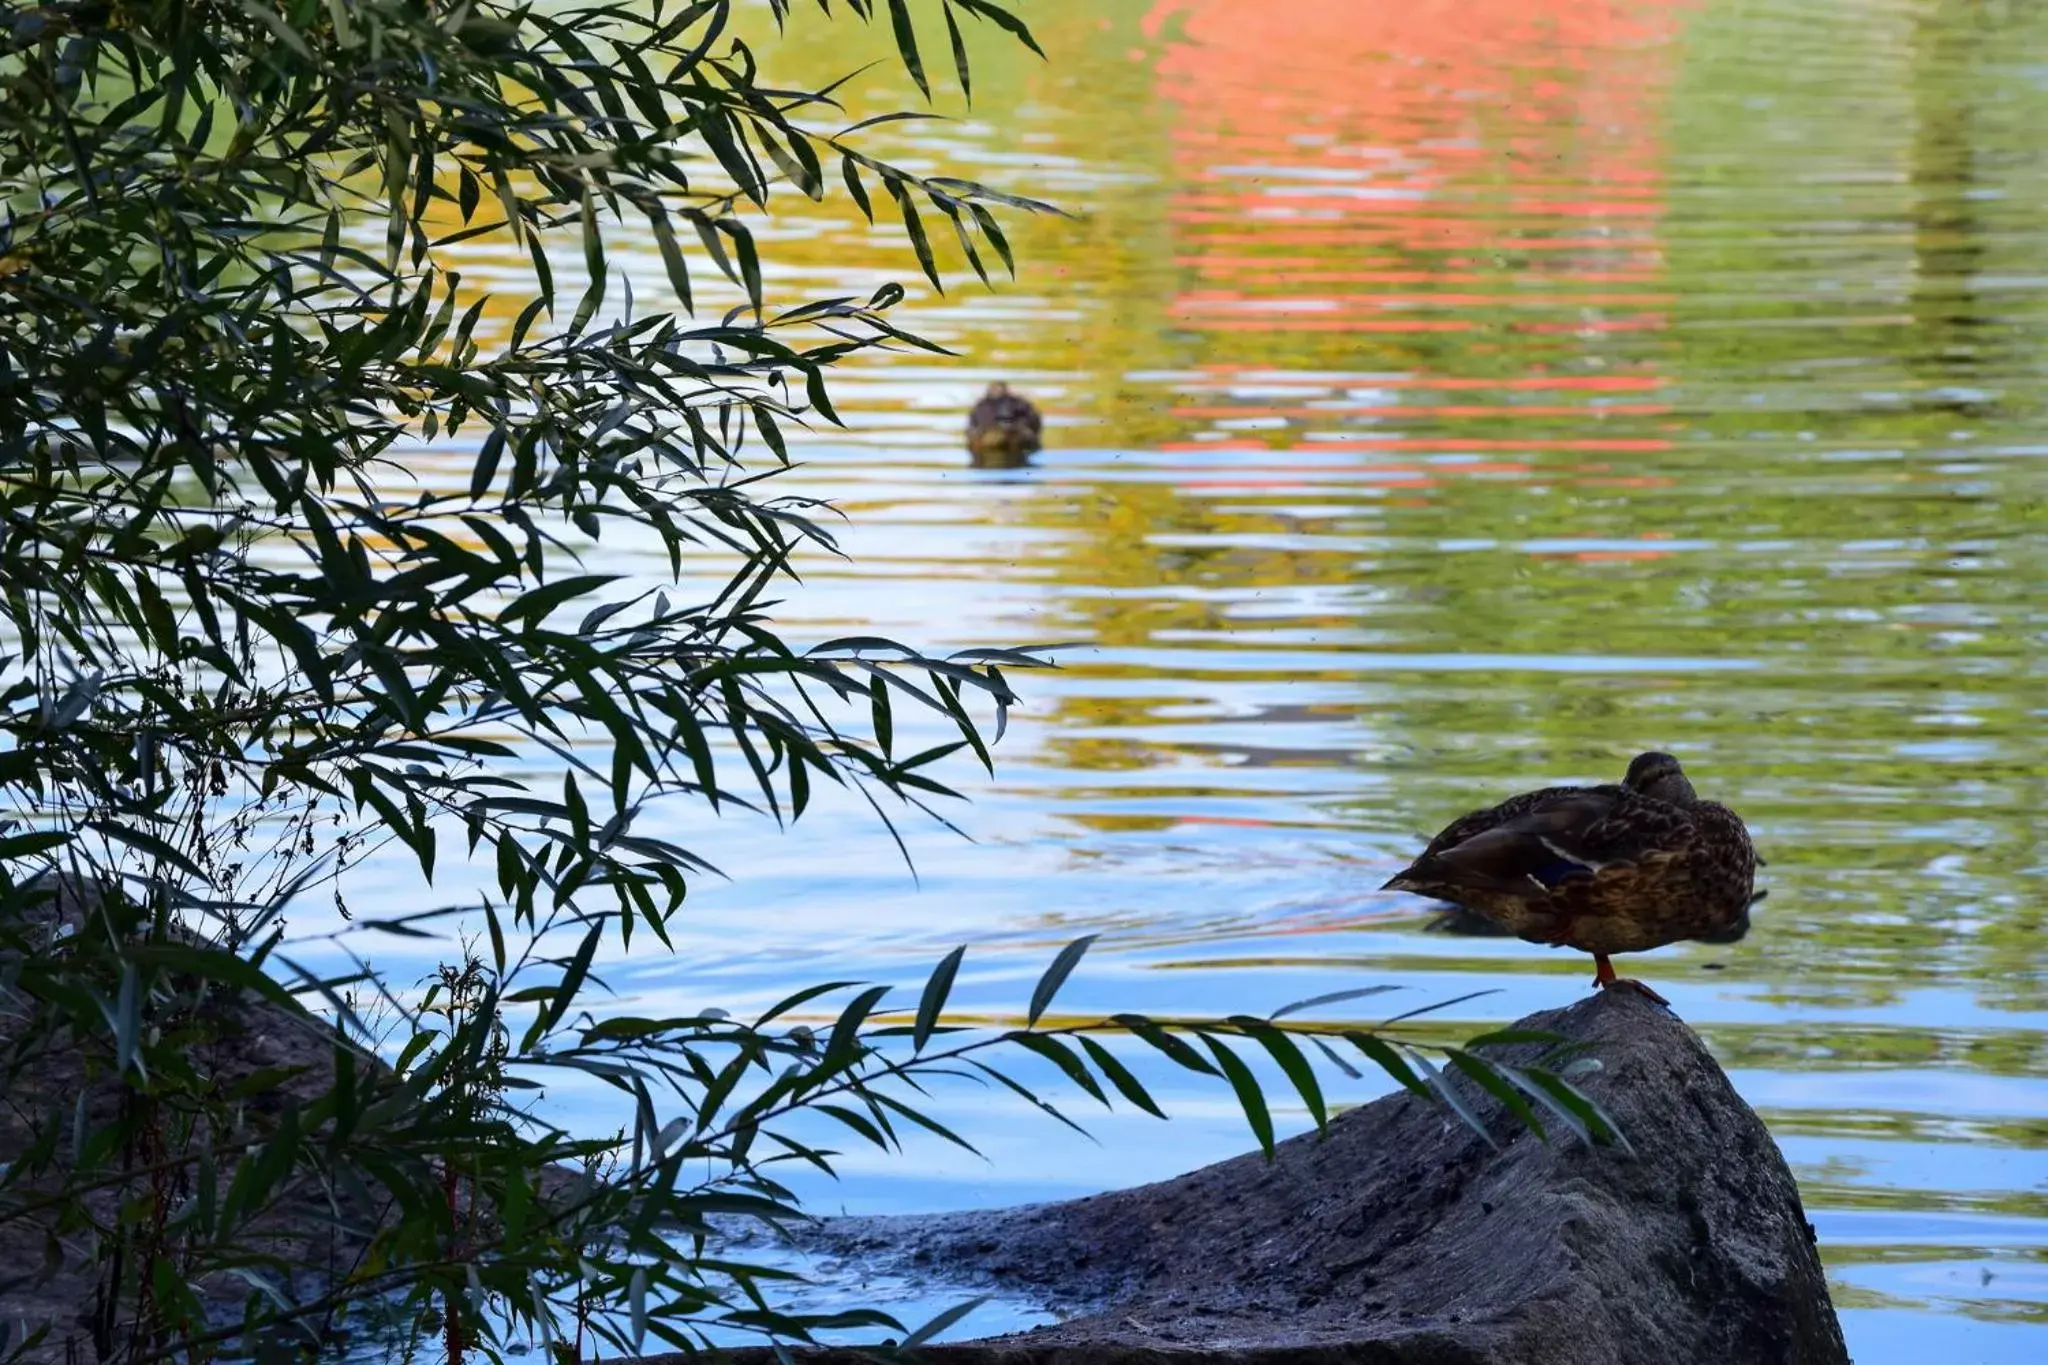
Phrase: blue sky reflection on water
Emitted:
{"points": [[1431, 417]]}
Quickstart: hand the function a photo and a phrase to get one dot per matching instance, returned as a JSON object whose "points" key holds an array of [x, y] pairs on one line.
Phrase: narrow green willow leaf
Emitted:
{"points": [[1506, 1036], [1056, 975], [923, 1120], [1249, 1097], [127, 1019], [913, 224], [933, 1002], [1576, 1125], [1120, 1076], [846, 1029], [1026, 1094], [1588, 1111], [858, 1123], [1336, 1059], [564, 996], [1283, 1050], [1448, 1093], [1493, 1083], [851, 173], [881, 712], [994, 233], [960, 68], [671, 256], [939, 1323], [1333, 998], [906, 44], [993, 11], [1383, 1055], [1056, 1052], [1163, 1041]]}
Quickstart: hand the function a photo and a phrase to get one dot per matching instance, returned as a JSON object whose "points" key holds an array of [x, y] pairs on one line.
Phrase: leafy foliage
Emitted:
{"points": [[223, 579], [427, 1195], [248, 639]]}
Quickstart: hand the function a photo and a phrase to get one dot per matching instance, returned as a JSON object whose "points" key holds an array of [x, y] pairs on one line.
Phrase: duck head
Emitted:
{"points": [[1658, 775]]}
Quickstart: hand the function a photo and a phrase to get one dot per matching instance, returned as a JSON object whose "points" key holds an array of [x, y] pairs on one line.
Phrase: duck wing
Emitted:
{"points": [[1532, 851], [1536, 843], [1515, 807]]}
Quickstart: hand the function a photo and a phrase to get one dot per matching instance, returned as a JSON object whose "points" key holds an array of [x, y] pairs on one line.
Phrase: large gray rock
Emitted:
{"points": [[1403, 1238]]}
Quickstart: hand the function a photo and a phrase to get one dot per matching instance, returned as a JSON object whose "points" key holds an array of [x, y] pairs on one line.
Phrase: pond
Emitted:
{"points": [[1443, 400]]}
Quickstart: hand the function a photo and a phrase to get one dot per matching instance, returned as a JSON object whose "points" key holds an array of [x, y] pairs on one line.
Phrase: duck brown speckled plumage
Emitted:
{"points": [[1610, 869], [1002, 429]]}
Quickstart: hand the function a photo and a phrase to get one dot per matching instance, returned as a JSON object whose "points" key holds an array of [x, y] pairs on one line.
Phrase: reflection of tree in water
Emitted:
{"points": [[1735, 257], [1449, 196], [1973, 346], [1949, 311], [1377, 187], [1249, 535]]}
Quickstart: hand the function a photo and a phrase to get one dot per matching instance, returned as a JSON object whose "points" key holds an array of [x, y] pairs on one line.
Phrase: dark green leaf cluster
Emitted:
{"points": [[223, 577]]}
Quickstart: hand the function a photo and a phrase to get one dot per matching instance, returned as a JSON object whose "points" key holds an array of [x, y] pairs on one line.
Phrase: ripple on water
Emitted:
{"points": [[1444, 399]]}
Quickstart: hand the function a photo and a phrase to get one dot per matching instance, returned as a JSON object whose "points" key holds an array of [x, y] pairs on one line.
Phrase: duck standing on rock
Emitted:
{"points": [[1003, 429], [1610, 869]]}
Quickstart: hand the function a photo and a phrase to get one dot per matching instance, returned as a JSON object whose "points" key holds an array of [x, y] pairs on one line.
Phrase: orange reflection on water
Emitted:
{"points": [[1371, 187], [1273, 272], [1605, 383], [1452, 445], [1429, 410]]}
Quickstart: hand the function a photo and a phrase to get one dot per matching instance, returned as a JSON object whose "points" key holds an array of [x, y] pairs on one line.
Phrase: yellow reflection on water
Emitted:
{"points": [[1448, 398]]}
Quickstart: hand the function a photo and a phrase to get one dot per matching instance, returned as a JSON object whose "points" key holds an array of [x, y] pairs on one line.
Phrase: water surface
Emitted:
{"points": [[1443, 400]]}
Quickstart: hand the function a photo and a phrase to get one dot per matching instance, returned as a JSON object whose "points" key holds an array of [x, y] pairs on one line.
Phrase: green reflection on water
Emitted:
{"points": [[1438, 408]]}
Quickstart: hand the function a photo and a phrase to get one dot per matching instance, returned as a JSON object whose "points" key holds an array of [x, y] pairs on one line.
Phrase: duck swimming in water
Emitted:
{"points": [[1610, 869], [1003, 429]]}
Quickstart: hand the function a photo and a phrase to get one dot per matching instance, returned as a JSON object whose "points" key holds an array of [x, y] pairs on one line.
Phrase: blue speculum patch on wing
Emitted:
{"points": [[1559, 869]]}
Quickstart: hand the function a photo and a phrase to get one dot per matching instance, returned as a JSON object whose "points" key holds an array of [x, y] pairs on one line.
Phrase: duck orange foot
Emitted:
{"points": [[1605, 979]]}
